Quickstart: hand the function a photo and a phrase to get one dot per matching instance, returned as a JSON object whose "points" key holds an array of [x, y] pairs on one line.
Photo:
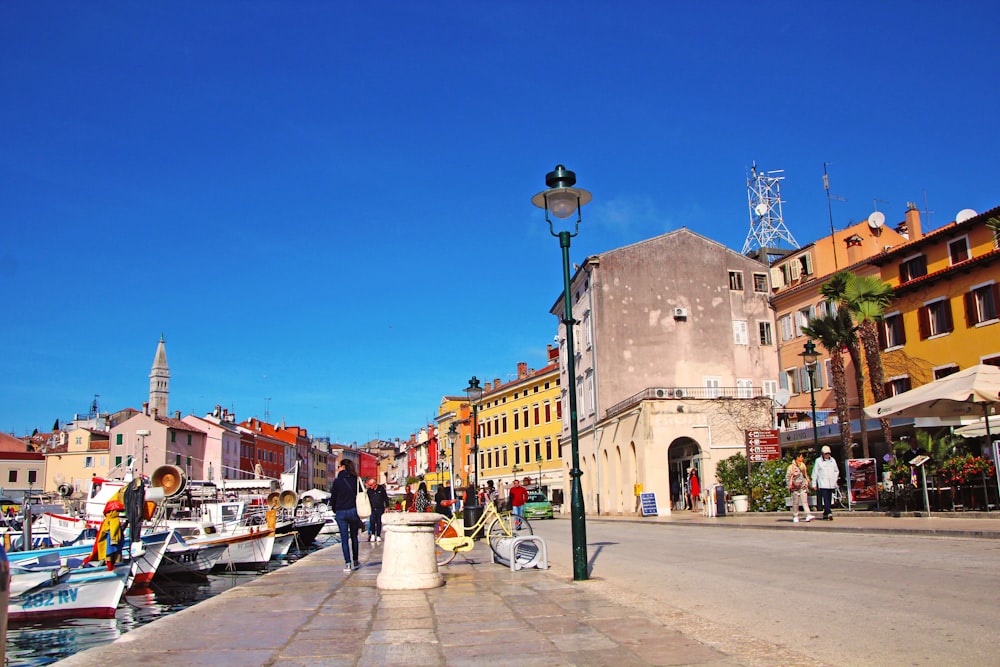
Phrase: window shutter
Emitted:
{"points": [[902, 330], [949, 323], [924, 322], [995, 295], [783, 380], [883, 340], [819, 375]]}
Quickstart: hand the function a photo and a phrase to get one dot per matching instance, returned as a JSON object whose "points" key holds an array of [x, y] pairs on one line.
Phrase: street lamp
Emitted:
{"points": [[562, 200], [538, 460], [142, 433], [475, 392], [452, 439], [810, 357]]}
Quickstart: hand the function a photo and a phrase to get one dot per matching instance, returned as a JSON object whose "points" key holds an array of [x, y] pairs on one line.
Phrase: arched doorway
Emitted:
{"points": [[682, 454]]}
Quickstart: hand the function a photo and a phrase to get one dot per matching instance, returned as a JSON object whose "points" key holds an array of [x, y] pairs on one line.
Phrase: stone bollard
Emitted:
{"points": [[408, 560]]}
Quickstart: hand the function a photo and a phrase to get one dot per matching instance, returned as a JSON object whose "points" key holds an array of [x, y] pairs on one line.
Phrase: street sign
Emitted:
{"points": [[762, 445]]}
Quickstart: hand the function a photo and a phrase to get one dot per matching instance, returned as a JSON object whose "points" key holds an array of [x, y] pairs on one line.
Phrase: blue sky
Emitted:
{"points": [[325, 207]]}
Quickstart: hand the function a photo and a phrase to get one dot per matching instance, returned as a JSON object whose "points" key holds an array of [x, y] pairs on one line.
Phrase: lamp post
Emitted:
{"points": [[811, 357], [538, 460], [562, 200], [142, 433], [475, 392], [452, 439]]}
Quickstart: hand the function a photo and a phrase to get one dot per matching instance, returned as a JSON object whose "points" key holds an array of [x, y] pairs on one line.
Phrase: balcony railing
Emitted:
{"points": [[683, 393]]}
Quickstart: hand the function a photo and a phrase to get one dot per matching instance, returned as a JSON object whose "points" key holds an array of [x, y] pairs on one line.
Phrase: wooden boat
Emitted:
{"points": [[48, 592]]}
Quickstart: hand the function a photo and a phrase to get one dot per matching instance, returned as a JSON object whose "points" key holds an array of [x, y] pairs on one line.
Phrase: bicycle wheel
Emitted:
{"points": [[444, 529], [507, 524]]}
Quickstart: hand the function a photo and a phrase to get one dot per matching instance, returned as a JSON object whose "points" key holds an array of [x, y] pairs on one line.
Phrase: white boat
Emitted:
{"points": [[57, 592], [282, 545], [247, 548], [184, 560]]}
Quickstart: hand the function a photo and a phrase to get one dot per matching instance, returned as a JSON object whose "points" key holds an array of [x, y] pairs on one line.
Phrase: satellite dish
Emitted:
{"points": [[876, 219], [781, 397], [965, 214], [760, 209]]}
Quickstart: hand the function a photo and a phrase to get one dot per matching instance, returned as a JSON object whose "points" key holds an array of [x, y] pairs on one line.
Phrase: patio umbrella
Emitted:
{"points": [[974, 391], [978, 429]]}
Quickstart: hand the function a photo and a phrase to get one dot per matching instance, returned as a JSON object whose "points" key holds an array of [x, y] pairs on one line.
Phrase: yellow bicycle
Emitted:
{"points": [[452, 536]]}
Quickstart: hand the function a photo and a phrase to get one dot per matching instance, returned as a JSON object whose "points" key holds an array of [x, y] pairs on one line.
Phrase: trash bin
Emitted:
{"points": [[720, 501], [470, 515]]}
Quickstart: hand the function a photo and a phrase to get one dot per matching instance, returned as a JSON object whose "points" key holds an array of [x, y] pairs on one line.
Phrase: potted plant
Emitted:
{"points": [[963, 470]]}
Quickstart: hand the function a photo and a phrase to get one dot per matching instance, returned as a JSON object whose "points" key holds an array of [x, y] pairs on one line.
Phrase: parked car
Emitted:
{"points": [[538, 506]]}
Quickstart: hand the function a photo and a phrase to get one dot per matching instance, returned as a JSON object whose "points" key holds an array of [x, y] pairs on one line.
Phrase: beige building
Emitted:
{"points": [[675, 358], [82, 454]]}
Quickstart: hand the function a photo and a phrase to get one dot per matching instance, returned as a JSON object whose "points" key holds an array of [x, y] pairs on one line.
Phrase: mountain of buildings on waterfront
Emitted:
{"points": [[681, 345]]}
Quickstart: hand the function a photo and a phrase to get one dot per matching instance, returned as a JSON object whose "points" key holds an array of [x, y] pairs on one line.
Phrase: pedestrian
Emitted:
{"points": [[408, 500], [693, 488], [442, 500], [518, 496], [423, 500], [379, 500], [491, 492], [344, 501], [797, 479], [825, 475]]}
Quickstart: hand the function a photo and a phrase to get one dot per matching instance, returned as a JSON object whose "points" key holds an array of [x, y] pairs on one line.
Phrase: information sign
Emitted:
{"points": [[647, 502], [763, 445]]}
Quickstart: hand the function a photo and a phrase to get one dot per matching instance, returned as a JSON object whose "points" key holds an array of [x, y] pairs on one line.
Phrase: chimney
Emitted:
{"points": [[177, 414], [154, 412], [913, 223], [496, 383], [522, 370], [145, 409]]}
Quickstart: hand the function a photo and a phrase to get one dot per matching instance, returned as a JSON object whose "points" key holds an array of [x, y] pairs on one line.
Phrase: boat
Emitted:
{"points": [[183, 560], [50, 592], [282, 545]]}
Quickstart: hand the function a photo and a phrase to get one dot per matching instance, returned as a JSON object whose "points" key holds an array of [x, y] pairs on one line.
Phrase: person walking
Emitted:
{"points": [[826, 472], [423, 501], [797, 479], [442, 500], [344, 501], [408, 500], [518, 496], [694, 488], [379, 500]]}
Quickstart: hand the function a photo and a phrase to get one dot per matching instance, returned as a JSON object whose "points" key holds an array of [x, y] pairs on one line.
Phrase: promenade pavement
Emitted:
{"points": [[310, 613]]}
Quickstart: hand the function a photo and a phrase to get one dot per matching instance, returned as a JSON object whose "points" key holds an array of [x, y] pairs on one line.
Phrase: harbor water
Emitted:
{"points": [[34, 644]]}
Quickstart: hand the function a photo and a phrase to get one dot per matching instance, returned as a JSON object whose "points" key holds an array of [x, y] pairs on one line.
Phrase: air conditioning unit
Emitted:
{"points": [[661, 392], [679, 393], [680, 313]]}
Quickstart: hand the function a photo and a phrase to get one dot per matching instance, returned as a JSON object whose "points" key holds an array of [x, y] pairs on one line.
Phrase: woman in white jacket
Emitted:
{"points": [[826, 472]]}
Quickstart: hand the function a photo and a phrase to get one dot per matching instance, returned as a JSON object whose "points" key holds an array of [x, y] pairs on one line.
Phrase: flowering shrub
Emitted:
{"points": [[767, 483], [964, 468]]}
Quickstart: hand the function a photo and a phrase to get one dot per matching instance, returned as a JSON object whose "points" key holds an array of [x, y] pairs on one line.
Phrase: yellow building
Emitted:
{"points": [[519, 425], [82, 454], [945, 315]]}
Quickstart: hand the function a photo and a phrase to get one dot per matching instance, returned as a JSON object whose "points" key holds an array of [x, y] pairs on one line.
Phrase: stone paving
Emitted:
{"points": [[312, 614]]}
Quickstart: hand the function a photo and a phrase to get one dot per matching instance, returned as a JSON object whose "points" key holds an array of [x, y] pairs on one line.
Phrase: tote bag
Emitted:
{"points": [[364, 505]]}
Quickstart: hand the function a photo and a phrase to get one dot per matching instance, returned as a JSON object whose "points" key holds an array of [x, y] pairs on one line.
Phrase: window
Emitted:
{"points": [[740, 335], [537, 411], [78, 440], [173, 438], [588, 334], [897, 385], [12, 476], [760, 283], [118, 439], [785, 324], [744, 388], [736, 280], [789, 379], [88, 461], [958, 250], [503, 423], [32, 476], [517, 455], [935, 319], [764, 331], [118, 461], [517, 420], [912, 268], [548, 448], [981, 304], [548, 412], [770, 388], [891, 332], [712, 385], [189, 439], [944, 371], [802, 318], [805, 264]]}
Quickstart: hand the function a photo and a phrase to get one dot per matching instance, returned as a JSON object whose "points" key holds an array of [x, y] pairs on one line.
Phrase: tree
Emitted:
{"points": [[833, 331], [833, 290], [868, 297]]}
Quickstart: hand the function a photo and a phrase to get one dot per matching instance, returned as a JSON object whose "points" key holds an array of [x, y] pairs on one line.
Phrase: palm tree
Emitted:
{"points": [[833, 291], [868, 297], [833, 332]]}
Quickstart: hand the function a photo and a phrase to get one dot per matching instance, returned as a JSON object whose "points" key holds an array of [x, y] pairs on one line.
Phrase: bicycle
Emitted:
{"points": [[452, 536]]}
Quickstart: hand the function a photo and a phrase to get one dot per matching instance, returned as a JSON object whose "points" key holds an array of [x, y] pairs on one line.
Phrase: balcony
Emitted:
{"points": [[683, 393]]}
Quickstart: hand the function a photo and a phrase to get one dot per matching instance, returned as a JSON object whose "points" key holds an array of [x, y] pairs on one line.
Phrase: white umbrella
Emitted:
{"points": [[974, 391], [978, 429]]}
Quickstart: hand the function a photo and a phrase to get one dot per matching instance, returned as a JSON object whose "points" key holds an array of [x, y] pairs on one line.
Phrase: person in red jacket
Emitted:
{"points": [[518, 496]]}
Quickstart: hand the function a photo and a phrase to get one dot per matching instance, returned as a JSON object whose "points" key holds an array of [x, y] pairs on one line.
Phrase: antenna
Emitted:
{"points": [[927, 212], [876, 201], [767, 225], [267, 410], [829, 207]]}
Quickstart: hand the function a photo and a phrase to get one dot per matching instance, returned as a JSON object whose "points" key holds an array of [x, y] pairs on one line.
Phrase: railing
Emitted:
{"points": [[683, 393]]}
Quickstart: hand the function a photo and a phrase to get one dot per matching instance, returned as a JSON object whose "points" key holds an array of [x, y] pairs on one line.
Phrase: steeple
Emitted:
{"points": [[159, 381]]}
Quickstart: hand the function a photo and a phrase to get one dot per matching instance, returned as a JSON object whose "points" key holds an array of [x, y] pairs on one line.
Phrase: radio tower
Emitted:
{"points": [[767, 228]]}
